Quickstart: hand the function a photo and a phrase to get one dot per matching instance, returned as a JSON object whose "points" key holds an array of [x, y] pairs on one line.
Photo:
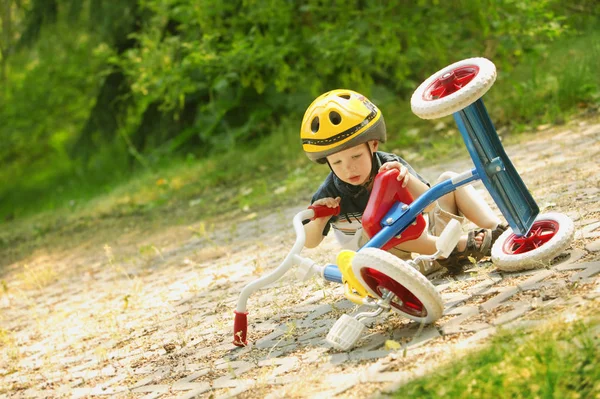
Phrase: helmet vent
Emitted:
{"points": [[314, 125], [335, 118], [344, 96]]}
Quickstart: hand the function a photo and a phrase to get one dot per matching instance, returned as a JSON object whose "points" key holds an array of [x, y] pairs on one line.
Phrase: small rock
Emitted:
{"points": [[574, 215], [170, 347], [593, 246]]}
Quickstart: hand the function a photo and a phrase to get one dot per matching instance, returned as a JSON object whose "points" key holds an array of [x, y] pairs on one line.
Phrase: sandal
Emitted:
{"points": [[497, 232], [473, 251]]}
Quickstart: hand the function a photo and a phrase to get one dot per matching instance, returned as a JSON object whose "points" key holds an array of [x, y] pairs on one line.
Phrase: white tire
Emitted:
{"points": [[415, 297], [549, 236], [453, 88]]}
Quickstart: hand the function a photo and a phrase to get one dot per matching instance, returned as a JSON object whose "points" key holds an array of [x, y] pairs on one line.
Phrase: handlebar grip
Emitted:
{"points": [[240, 329], [323, 210]]}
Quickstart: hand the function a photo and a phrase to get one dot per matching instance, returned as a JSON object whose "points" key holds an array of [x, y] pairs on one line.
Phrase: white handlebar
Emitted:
{"points": [[283, 267]]}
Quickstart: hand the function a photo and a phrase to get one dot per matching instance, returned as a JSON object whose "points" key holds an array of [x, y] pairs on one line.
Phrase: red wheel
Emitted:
{"points": [[540, 233], [453, 88], [405, 301], [414, 296], [550, 234], [451, 82]]}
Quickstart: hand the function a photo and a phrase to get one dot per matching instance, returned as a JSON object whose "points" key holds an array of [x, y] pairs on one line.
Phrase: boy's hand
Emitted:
{"points": [[403, 176], [328, 202]]}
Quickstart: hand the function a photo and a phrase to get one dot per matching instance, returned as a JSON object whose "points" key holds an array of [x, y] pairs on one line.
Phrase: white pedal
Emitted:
{"points": [[449, 238], [345, 332]]}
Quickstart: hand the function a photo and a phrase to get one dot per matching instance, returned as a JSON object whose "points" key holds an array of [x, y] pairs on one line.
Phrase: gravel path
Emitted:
{"points": [[151, 315]]}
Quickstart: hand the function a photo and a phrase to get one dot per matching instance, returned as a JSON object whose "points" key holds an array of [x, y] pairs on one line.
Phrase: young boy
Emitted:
{"points": [[343, 129]]}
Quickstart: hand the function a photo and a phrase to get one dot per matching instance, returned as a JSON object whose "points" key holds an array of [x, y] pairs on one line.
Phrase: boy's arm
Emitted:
{"points": [[314, 231], [314, 228]]}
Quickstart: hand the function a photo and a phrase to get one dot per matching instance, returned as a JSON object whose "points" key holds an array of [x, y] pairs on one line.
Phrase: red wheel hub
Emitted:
{"points": [[405, 300], [540, 233], [450, 82]]}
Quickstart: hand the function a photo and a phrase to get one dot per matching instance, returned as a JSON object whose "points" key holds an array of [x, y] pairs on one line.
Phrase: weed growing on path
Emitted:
{"points": [[38, 277]]}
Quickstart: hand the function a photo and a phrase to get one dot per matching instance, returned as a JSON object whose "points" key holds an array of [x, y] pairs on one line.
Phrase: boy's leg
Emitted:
{"points": [[467, 201], [463, 201], [424, 245]]}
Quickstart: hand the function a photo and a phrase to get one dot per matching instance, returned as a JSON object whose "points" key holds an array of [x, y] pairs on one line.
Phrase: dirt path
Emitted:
{"points": [[150, 314]]}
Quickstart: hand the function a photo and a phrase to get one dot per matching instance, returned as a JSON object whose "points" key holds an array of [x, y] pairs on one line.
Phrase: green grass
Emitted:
{"points": [[548, 87], [558, 361]]}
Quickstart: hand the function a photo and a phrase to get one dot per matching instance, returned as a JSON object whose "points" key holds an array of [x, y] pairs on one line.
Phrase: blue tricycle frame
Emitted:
{"points": [[492, 166]]}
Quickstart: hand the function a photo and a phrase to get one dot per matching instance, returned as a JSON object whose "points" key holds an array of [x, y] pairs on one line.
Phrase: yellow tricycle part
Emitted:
{"points": [[353, 290], [352, 296]]}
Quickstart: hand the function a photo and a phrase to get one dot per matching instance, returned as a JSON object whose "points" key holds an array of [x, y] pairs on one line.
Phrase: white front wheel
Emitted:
{"points": [[413, 295], [549, 236]]}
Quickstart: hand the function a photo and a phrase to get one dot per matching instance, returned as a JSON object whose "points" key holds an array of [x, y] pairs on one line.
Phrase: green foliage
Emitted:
{"points": [[558, 362], [277, 55], [98, 90], [543, 88]]}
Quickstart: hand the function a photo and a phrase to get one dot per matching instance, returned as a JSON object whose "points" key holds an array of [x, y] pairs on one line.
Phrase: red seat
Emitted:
{"points": [[387, 190]]}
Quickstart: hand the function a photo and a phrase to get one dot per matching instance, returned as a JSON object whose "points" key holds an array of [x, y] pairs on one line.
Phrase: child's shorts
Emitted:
{"points": [[439, 219]]}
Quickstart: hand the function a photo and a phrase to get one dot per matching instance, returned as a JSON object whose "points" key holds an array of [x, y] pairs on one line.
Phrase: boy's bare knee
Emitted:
{"points": [[446, 175], [424, 244]]}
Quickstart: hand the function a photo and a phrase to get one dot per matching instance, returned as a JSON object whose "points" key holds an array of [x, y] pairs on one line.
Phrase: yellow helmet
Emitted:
{"points": [[337, 120]]}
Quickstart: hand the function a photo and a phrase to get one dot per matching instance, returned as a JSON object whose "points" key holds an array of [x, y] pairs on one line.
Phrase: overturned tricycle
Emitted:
{"points": [[372, 276]]}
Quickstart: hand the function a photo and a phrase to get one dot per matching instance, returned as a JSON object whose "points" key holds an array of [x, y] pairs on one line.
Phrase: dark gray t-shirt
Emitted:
{"points": [[354, 200]]}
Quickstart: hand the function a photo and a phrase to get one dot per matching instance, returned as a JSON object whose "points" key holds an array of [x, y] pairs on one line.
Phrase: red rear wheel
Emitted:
{"points": [[540, 233], [549, 236]]}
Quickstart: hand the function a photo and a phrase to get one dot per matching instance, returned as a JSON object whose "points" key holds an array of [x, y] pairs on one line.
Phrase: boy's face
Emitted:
{"points": [[353, 165]]}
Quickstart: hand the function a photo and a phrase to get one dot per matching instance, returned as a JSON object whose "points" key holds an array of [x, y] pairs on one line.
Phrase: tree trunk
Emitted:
{"points": [[111, 104], [104, 117]]}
